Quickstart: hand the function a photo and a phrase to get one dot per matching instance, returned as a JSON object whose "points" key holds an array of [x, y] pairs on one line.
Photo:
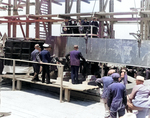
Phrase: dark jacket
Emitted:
{"points": [[107, 80], [45, 56], [116, 96], [35, 55], [75, 58]]}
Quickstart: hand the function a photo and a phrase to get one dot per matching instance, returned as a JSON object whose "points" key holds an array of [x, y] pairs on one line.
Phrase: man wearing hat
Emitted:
{"points": [[35, 57], [117, 99], [75, 56], [140, 97], [106, 81], [46, 58]]}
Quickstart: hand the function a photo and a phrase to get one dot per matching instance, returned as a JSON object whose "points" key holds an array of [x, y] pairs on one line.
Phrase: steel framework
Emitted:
{"points": [[43, 17]]}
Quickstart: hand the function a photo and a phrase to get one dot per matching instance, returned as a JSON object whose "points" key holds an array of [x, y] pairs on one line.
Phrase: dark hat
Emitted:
{"points": [[115, 75]]}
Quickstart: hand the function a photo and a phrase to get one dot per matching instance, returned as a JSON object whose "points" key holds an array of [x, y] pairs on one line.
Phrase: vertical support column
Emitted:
{"points": [[78, 7], [111, 9], [60, 69], [9, 14], [27, 12], [102, 72], [13, 85], [101, 5], [49, 12], [37, 11], [145, 34], [101, 23], [14, 13], [66, 6]]}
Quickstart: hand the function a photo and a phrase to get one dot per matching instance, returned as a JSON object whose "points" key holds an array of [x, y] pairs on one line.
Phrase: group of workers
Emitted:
{"points": [[114, 95], [42, 57], [115, 98], [80, 26]]}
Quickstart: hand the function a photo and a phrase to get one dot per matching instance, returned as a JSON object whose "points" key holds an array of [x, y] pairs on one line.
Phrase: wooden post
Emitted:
{"points": [[61, 82], [19, 84], [13, 85], [67, 95]]}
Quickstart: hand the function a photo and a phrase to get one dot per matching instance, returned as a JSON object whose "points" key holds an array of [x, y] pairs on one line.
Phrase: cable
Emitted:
{"points": [[93, 9], [136, 15]]}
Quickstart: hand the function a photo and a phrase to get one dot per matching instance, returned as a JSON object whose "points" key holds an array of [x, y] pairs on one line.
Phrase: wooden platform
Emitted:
{"points": [[67, 86]]}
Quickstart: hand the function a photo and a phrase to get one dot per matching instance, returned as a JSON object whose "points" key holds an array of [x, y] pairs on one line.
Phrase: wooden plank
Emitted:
{"points": [[56, 83]]}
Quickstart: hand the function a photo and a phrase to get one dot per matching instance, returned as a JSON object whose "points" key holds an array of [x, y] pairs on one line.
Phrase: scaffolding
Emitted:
{"points": [[43, 17]]}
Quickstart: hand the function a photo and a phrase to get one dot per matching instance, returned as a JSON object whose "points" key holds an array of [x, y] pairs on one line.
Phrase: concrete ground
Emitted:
{"points": [[34, 103]]}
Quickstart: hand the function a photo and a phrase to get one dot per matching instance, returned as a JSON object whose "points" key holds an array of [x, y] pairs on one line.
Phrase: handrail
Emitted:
{"points": [[71, 26], [31, 61], [60, 71]]}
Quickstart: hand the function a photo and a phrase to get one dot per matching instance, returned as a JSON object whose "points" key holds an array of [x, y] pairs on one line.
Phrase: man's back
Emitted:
{"points": [[45, 56], [34, 55], [142, 97], [116, 96], [75, 58]]}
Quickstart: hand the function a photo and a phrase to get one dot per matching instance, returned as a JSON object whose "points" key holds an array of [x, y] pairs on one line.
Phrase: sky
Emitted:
{"points": [[121, 30]]}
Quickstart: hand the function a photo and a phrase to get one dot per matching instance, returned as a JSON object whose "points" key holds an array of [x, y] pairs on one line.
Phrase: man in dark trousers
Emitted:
{"points": [[116, 99], [75, 56], [36, 67], [46, 58]]}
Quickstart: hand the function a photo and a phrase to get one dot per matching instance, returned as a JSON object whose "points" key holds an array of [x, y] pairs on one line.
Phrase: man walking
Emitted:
{"points": [[117, 99], [46, 58], [36, 67], [75, 56], [106, 81]]}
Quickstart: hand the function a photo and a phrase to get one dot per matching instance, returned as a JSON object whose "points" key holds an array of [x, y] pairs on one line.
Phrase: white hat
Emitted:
{"points": [[45, 45], [140, 78], [129, 115]]}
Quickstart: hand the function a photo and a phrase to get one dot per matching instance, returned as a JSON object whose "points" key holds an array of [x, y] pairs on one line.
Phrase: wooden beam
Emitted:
{"points": [[21, 28]]}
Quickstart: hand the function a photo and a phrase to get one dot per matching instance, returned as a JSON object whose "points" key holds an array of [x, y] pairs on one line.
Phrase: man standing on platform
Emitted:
{"points": [[75, 56], [46, 58], [36, 67]]}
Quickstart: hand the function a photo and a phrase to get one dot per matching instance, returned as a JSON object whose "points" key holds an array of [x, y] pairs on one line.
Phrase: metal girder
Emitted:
{"points": [[58, 3], [86, 1]]}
